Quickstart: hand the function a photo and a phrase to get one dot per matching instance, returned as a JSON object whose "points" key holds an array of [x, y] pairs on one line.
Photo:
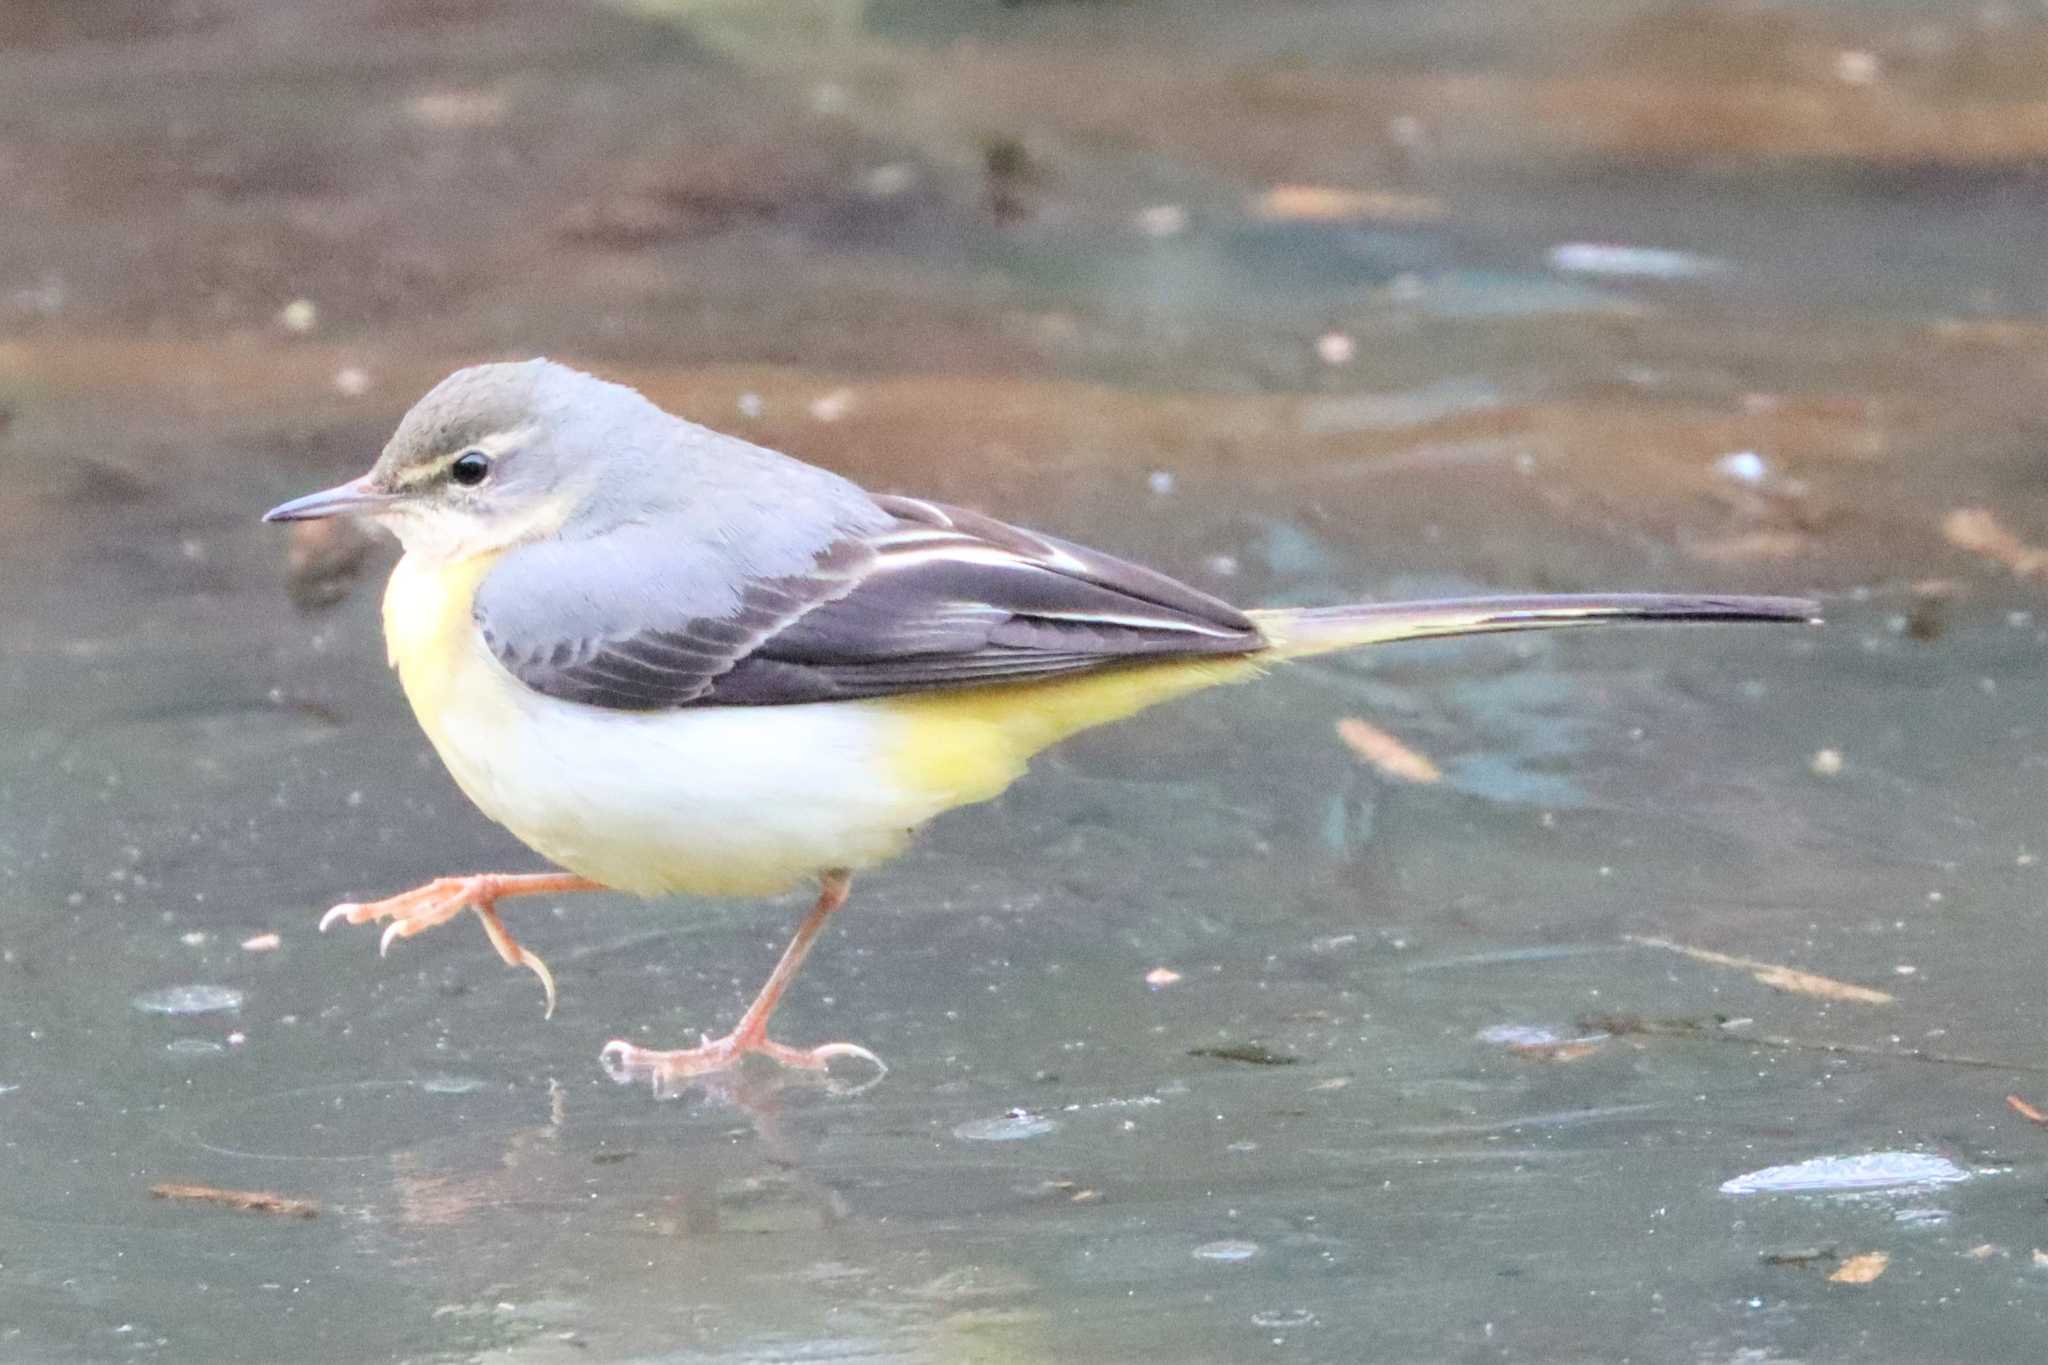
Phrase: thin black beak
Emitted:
{"points": [[352, 498]]}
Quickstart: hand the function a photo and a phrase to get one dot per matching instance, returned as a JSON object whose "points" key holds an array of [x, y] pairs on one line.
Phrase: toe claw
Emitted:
{"points": [[826, 1052], [420, 909], [842, 1086], [617, 1060], [531, 961]]}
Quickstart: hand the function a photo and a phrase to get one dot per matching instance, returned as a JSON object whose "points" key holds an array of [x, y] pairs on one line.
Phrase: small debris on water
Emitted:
{"points": [[1825, 763], [1161, 220], [322, 559], [299, 317], [1850, 1174], [183, 1000], [830, 407], [1257, 1054], [194, 1047], [1283, 1317], [1927, 616], [248, 1201], [1332, 204], [1861, 1268], [1011, 1127], [1751, 546], [445, 1084], [888, 180], [1335, 348], [1792, 980], [1543, 1044], [1978, 530], [261, 943], [1743, 466], [459, 108], [1161, 976], [2025, 1110], [1855, 67], [1386, 754]]}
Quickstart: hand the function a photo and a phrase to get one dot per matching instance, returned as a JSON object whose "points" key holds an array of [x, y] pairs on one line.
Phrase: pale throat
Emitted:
{"points": [[444, 535]]}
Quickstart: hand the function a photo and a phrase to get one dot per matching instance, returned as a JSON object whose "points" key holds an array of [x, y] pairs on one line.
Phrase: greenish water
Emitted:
{"points": [[1314, 1142]]}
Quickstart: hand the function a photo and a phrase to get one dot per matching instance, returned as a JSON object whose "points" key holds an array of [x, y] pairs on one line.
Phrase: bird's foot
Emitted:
{"points": [[420, 909], [670, 1072]]}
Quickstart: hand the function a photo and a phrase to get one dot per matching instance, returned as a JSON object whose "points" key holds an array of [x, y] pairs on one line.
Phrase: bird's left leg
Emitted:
{"points": [[625, 1061], [423, 907]]}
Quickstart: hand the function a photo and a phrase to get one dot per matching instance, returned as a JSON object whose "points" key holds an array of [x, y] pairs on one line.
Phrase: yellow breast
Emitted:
{"points": [[744, 800], [429, 630]]}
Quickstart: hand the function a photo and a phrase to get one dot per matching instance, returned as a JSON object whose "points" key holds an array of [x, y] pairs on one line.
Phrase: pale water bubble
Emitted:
{"points": [[1849, 1174], [1922, 1218], [1226, 1250], [1647, 262], [1009, 1128], [1521, 1035], [181, 1000]]}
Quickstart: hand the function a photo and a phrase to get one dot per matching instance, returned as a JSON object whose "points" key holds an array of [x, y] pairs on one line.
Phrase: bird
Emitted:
{"points": [[671, 661]]}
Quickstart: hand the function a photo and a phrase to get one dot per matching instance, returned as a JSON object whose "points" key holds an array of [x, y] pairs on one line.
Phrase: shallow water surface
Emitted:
{"points": [[1212, 1041]]}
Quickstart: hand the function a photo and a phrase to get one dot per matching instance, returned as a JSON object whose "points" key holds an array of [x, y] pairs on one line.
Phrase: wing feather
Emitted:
{"points": [[934, 597]]}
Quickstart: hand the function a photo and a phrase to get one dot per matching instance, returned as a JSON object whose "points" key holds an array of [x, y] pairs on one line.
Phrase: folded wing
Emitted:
{"points": [[935, 597]]}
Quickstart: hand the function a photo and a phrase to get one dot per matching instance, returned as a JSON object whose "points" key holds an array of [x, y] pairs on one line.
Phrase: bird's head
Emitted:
{"points": [[492, 456]]}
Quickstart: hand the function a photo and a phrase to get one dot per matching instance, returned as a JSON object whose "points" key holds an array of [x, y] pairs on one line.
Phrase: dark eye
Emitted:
{"points": [[471, 467]]}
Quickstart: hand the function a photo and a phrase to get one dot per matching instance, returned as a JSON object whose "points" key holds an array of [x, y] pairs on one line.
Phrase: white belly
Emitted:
{"points": [[718, 801]]}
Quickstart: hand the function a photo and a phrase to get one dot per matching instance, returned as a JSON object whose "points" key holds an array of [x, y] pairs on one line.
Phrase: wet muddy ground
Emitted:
{"points": [[1236, 1032]]}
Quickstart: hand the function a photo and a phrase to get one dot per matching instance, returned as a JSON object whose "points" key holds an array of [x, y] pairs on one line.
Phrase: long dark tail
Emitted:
{"points": [[986, 734], [1318, 630]]}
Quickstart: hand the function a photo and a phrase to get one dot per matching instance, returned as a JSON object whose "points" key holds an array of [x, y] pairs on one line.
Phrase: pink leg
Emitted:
{"points": [[625, 1061], [423, 907]]}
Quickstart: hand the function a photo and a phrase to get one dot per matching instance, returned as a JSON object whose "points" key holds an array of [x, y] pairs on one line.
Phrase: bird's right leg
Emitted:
{"points": [[423, 907], [669, 1070]]}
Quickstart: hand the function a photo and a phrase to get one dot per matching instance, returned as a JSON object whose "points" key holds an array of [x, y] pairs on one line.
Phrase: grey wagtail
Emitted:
{"points": [[672, 661]]}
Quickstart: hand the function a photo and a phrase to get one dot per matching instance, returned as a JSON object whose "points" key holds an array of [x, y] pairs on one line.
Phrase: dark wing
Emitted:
{"points": [[935, 598]]}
